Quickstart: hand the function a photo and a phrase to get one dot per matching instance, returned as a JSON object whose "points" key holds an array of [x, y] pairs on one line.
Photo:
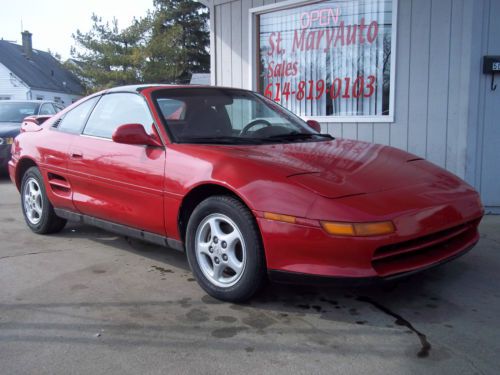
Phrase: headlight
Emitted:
{"points": [[358, 229], [6, 141], [340, 228]]}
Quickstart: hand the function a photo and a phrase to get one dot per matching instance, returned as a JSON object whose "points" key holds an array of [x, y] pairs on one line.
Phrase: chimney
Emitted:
{"points": [[27, 44]]}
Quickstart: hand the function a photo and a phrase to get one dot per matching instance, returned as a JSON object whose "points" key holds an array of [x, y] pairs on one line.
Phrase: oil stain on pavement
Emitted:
{"points": [[270, 308]]}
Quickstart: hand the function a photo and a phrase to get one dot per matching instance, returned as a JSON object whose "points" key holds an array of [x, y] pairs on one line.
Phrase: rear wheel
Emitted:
{"points": [[37, 209], [224, 249]]}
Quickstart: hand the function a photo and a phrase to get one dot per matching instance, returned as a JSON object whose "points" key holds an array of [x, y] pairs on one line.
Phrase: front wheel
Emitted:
{"points": [[37, 209], [224, 249]]}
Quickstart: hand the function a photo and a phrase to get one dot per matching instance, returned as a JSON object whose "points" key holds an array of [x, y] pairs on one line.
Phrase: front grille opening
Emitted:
{"points": [[419, 252]]}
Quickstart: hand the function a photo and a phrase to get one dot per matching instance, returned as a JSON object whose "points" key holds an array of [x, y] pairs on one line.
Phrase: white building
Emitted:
{"points": [[405, 73], [27, 73]]}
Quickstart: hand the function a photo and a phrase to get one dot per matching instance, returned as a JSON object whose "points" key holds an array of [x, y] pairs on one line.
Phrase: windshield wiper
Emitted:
{"points": [[226, 140], [297, 135]]}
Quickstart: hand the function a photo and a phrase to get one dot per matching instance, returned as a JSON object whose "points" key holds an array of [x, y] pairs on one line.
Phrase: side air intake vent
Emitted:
{"points": [[56, 123]]}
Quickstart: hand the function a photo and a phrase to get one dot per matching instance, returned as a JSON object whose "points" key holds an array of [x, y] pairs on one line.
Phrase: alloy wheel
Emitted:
{"points": [[220, 250], [33, 202]]}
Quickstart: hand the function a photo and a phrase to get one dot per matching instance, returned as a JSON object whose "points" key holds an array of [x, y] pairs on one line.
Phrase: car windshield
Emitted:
{"points": [[229, 116], [17, 111]]}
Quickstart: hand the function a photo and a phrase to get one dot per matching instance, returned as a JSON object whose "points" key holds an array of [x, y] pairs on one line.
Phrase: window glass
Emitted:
{"points": [[74, 120], [330, 58], [17, 111], [118, 109], [47, 109], [244, 110], [172, 109], [230, 116]]}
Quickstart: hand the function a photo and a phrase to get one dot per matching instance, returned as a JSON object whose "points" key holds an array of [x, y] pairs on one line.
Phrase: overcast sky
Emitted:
{"points": [[53, 21]]}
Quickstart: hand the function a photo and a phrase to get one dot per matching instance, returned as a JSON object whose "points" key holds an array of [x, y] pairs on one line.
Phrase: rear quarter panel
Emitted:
{"points": [[48, 149]]}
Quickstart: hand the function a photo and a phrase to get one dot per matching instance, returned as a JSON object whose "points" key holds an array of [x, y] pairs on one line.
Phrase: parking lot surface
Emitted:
{"points": [[85, 301]]}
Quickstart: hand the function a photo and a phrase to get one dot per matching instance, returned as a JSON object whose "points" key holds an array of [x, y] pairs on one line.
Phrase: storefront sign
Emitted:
{"points": [[328, 59]]}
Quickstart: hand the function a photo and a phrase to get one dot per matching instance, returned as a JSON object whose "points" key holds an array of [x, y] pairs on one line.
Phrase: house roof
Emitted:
{"points": [[41, 72]]}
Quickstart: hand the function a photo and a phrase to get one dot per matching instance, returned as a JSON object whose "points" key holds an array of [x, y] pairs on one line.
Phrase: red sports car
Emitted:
{"points": [[244, 187]]}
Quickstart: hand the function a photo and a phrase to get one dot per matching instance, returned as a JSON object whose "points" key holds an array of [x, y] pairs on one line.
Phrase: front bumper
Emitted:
{"points": [[286, 277], [425, 237]]}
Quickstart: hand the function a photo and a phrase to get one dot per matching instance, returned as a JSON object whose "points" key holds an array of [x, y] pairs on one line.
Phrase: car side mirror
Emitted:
{"points": [[134, 134], [314, 125]]}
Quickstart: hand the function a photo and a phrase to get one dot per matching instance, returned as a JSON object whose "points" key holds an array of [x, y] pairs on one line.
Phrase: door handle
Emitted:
{"points": [[76, 155]]}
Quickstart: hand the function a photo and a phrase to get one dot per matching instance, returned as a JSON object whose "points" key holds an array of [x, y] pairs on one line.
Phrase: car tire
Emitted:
{"points": [[37, 209], [224, 249]]}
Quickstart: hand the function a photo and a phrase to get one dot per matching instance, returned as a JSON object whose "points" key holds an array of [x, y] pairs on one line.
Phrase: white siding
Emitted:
{"points": [[433, 74], [67, 99], [11, 85], [483, 155]]}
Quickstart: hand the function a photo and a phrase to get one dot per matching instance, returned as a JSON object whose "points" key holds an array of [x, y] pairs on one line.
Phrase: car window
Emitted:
{"points": [[58, 107], [47, 109], [118, 109], [74, 120], [214, 115], [17, 111], [172, 109], [242, 111]]}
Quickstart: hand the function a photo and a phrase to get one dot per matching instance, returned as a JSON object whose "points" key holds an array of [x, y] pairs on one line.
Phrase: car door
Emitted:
{"points": [[54, 148], [120, 183]]}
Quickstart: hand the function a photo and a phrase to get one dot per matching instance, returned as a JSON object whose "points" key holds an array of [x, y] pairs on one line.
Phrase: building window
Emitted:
{"points": [[39, 97], [329, 60], [4, 97]]}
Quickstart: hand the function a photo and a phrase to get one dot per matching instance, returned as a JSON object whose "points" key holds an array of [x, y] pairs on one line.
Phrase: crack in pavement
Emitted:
{"points": [[426, 346], [34, 253]]}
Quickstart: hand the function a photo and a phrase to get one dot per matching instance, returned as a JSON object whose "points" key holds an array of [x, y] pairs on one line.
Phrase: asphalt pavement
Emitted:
{"points": [[85, 301]]}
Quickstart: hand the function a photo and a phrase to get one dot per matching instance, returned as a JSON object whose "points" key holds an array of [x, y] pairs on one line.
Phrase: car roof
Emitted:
{"points": [[139, 88], [27, 101]]}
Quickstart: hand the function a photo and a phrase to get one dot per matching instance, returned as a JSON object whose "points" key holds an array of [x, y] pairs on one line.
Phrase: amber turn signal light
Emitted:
{"points": [[279, 217], [358, 229]]}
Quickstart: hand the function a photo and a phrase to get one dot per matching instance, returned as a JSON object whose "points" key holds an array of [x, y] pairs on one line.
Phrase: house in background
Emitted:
{"points": [[30, 74]]}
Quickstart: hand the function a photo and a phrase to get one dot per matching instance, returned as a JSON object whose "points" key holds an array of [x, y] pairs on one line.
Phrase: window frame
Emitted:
{"points": [[47, 114], [58, 107], [154, 124], [253, 43], [61, 119]]}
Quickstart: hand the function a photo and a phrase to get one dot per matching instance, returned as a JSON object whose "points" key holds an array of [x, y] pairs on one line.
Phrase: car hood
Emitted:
{"points": [[341, 167], [9, 129]]}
